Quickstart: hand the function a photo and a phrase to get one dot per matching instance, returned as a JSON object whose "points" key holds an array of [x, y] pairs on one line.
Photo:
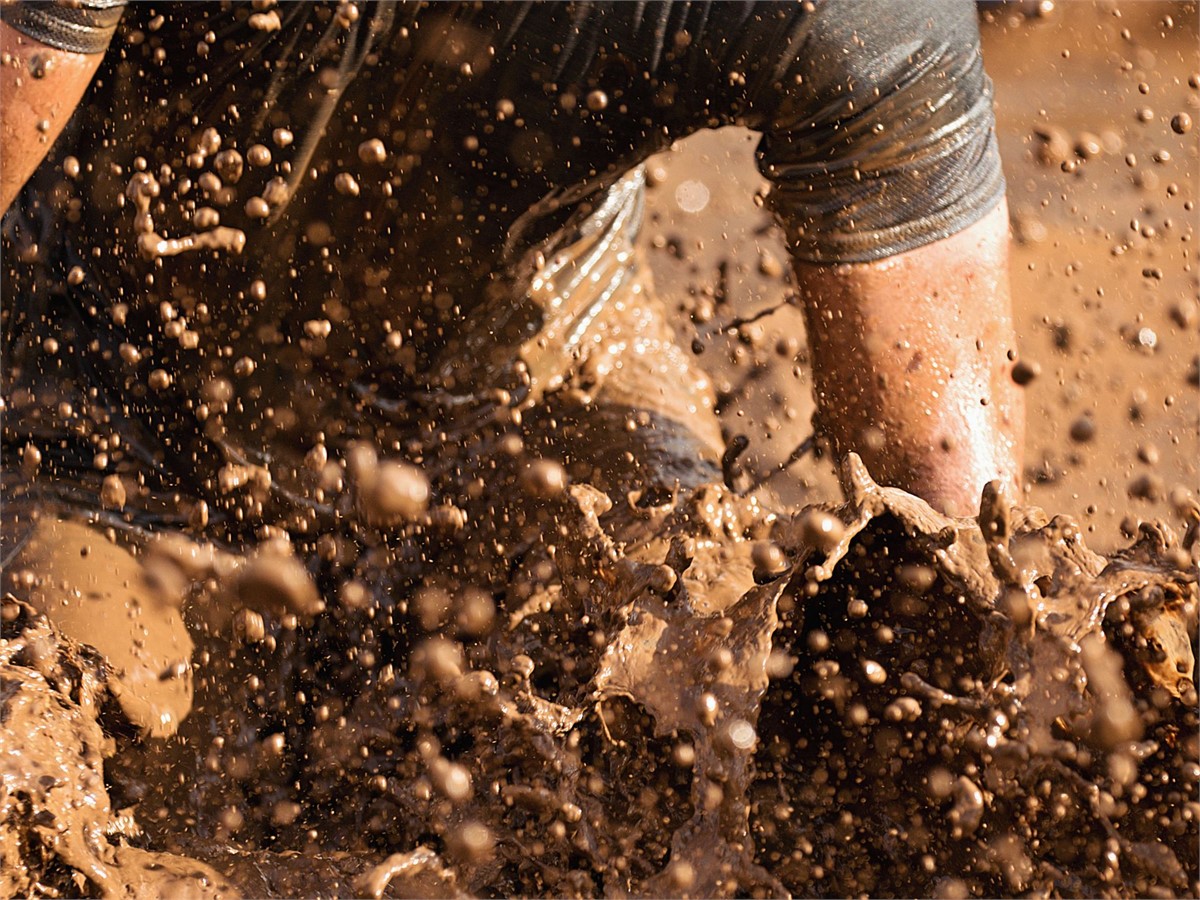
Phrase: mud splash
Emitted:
{"points": [[59, 834], [906, 704], [574, 661], [981, 708]]}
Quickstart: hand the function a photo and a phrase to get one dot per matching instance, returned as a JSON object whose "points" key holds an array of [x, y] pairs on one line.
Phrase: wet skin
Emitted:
{"points": [[38, 85], [912, 360]]}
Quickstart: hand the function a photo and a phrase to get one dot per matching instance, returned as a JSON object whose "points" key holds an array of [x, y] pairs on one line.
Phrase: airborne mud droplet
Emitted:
{"points": [[544, 478]]}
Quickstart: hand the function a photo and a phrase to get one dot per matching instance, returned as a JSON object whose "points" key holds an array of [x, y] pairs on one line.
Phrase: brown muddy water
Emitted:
{"points": [[582, 651]]}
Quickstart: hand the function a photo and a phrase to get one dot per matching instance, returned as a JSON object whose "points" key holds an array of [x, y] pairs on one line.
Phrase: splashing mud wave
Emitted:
{"points": [[683, 696]]}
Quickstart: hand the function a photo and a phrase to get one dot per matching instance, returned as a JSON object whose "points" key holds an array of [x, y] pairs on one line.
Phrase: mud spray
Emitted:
{"points": [[552, 648], [872, 698]]}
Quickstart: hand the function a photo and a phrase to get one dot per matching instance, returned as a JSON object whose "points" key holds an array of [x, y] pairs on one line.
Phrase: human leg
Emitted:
{"points": [[912, 361]]}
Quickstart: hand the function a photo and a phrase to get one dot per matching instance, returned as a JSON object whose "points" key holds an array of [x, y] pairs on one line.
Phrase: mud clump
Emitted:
{"points": [[59, 833], [997, 718], [906, 704]]}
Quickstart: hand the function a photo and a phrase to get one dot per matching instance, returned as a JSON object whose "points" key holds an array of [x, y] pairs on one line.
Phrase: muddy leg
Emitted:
{"points": [[912, 358], [644, 417]]}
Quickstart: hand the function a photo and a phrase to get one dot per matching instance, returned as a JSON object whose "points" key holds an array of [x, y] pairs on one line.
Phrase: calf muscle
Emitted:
{"points": [[912, 361]]}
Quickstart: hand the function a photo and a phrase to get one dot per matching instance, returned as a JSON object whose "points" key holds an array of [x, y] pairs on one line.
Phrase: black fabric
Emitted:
{"points": [[85, 26], [876, 115], [885, 140]]}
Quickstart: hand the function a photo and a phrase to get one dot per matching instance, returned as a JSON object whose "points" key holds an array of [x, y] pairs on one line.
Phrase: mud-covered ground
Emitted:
{"points": [[507, 676]]}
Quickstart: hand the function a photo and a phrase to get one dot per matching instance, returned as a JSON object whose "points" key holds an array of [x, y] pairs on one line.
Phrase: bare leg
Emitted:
{"points": [[912, 359], [40, 88]]}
